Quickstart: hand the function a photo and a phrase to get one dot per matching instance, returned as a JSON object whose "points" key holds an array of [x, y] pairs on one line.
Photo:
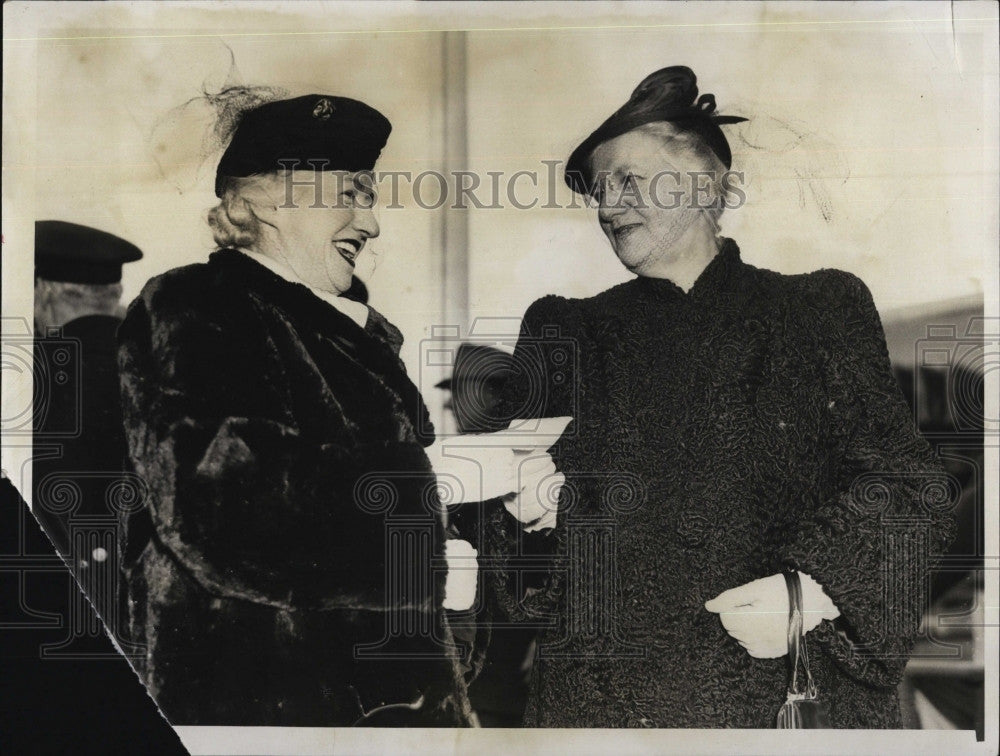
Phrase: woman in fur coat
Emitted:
{"points": [[732, 424], [289, 567]]}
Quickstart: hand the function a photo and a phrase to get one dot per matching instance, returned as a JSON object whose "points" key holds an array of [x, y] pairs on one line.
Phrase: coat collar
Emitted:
{"points": [[300, 299], [726, 279], [356, 311], [376, 346], [716, 274]]}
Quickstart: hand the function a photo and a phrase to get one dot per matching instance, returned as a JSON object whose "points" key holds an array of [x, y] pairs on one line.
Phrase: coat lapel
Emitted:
{"points": [[375, 347]]}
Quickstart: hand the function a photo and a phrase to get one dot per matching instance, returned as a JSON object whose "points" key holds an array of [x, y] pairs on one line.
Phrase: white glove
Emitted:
{"points": [[463, 571], [537, 502], [756, 614]]}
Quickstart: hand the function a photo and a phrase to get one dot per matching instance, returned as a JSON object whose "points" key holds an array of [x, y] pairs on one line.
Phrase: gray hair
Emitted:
{"points": [[674, 138], [58, 302], [96, 298]]}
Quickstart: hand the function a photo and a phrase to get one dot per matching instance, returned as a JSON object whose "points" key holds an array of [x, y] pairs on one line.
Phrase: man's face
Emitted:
{"points": [[43, 310]]}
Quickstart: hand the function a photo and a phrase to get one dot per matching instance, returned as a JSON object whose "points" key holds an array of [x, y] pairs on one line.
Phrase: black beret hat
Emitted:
{"points": [[670, 94], [80, 254], [312, 132], [480, 364]]}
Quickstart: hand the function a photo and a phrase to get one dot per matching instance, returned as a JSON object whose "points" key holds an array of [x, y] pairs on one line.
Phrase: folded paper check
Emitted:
{"points": [[480, 467]]}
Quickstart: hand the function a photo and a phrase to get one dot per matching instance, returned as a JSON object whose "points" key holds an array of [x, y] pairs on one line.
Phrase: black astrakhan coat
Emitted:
{"points": [[294, 572], [721, 435]]}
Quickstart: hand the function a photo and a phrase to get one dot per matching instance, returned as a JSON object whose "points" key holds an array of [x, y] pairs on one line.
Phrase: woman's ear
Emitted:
{"points": [[258, 206], [263, 212]]}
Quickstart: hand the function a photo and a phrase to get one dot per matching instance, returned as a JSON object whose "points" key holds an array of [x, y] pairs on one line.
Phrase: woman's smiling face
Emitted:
{"points": [[323, 228], [652, 187]]}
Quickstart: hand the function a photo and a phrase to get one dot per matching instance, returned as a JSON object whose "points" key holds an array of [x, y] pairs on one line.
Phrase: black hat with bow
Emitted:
{"points": [[670, 94]]}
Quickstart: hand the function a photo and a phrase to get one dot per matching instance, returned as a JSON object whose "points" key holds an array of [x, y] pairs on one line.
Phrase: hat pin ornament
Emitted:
{"points": [[323, 110]]}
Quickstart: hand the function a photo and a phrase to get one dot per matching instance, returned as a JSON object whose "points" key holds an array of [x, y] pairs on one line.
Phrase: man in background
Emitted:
{"points": [[79, 441], [65, 688]]}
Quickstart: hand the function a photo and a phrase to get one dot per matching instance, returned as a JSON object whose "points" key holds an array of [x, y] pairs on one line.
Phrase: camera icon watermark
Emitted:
{"points": [[501, 378], [951, 364], [55, 365]]}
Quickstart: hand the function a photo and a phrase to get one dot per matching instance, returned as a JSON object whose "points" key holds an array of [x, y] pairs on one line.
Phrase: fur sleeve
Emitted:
{"points": [[872, 543]]}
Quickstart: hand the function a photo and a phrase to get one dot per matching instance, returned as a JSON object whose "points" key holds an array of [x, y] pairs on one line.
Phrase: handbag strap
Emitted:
{"points": [[797, 651]]}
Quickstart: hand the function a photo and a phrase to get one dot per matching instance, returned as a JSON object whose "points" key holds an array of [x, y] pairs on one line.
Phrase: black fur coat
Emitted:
{"points": [[293, 572], [721, 435]]}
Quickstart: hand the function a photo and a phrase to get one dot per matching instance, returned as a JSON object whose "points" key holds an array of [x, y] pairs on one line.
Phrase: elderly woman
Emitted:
{"points": [[287, 569], [732, 424]]}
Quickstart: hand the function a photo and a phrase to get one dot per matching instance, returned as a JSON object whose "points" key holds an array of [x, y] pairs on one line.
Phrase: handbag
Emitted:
{"points": [[394, 715], [802, 709]]}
